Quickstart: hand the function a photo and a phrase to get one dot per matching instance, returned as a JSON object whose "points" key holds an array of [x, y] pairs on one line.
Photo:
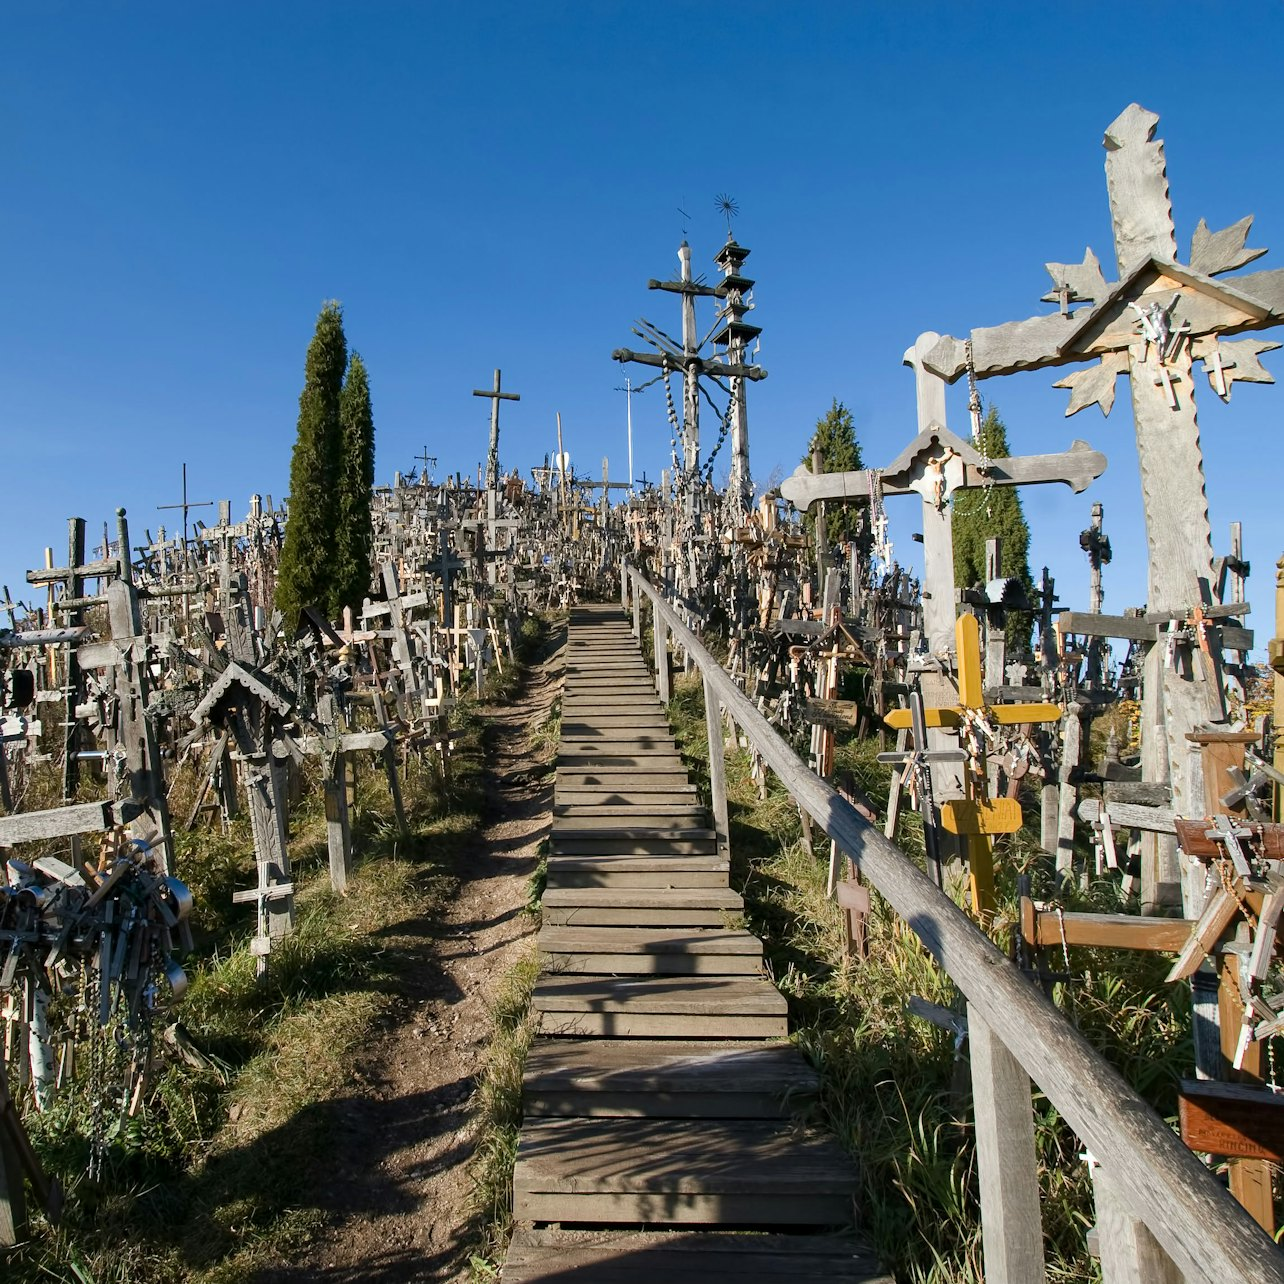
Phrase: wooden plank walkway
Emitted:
{"points": [[655, 1101]]}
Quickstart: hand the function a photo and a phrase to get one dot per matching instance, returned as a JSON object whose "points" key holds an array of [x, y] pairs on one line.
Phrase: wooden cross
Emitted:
{"points": [[492, 455], [685, 357], [1199, 313], [430, 461], [935, 465], [975, 816], [187, 505]]}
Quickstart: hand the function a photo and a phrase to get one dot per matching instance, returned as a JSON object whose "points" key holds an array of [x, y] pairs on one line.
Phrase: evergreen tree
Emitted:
{"points": [[835, 438], [352, 550], [996, 513], [305, 575]]}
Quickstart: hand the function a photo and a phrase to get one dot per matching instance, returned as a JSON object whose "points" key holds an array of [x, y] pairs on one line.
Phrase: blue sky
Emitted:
{"points": [[492, 185]]}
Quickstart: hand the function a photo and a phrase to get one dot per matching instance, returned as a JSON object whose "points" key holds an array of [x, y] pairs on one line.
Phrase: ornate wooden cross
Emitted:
{"points": [[1152, 324]]}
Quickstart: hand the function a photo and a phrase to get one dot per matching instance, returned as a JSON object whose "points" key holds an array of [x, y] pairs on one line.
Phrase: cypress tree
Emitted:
{"points": [[305, 575], [352, 550], [835, 438], [980, 515]]}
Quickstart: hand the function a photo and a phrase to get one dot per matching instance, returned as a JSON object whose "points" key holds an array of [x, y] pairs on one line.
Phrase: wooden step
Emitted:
{"points": [[559, 877], [707, 870], [595, 846], [692, 1257], [658, 861], [680, 1007], [617, 777], [649, 951], [607, 807], [582, 827], [640, 906], [665, 1079], [710, 1171], [621, 740], [595, 757]]}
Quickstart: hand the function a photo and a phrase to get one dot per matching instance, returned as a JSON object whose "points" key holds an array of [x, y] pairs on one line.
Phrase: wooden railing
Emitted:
{"points": [[1161, 1215]]}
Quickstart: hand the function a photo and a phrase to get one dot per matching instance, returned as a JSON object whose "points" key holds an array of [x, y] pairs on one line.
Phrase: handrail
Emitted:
{"points": [[1156, 1179]]}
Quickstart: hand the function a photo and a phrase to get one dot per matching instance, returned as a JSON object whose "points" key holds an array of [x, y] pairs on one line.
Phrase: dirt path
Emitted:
{"points": [[400, 1187]]}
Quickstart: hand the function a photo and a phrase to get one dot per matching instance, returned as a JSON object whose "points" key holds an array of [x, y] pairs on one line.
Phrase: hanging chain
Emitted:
{"points": [[979, 437], [973, 395], [722, 436]]}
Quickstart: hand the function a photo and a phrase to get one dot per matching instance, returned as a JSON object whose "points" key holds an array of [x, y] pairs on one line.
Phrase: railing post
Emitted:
{"points": [[717, 768], [1008, 1169], [624, 587], [637, 612], [1129, 1253], [660, 638]]}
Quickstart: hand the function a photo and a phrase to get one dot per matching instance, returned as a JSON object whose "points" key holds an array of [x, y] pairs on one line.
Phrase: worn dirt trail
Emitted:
{"points": [[399, 1190]]}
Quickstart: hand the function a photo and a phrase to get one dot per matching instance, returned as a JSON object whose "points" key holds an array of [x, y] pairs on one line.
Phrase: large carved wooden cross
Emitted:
{"points": [[1152, 324]]}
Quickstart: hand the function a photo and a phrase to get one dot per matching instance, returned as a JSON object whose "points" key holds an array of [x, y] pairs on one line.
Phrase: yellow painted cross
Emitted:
{"points": [[977, 817]]}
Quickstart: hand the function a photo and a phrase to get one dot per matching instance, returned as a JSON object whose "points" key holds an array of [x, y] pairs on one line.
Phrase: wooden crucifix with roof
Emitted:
{"points": [[1151, 324]]}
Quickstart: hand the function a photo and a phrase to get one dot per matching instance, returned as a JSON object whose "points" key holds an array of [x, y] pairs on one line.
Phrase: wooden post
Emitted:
{"points": [[637, 612], [394, 788], [717, 769], [338, 829], [1129, 1253], [1071, 750], [13, 1197], [660, 640], [1011, 1229]]}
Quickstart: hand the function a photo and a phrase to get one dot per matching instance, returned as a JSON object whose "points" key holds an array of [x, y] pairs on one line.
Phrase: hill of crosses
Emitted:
{"points": [[852, 874]]}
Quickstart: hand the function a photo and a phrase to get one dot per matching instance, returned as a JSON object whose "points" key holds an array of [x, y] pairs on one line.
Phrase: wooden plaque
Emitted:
{"points": [[1234, 1120], [997, 816]]}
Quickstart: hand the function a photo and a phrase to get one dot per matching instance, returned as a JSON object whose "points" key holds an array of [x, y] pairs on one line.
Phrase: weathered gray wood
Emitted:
{"points": [[717, 769], [338, 830], [622, 1257], [1072, 748], [652, 1171], [1129, 1252], [1007, 1167], [1154, 820], [56, 822], [660, 658], [635, 878], [1162, 1184], [1135, 628], [628, 1257], [668, 1079]]}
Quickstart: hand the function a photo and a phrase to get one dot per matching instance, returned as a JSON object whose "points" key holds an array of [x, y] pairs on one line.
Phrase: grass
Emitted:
{"points": [[500, 1103], [202, 1186], [894, 1089]]}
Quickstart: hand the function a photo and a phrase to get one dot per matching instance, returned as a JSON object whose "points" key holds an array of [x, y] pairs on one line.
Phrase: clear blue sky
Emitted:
{"points": [[492, 185]]}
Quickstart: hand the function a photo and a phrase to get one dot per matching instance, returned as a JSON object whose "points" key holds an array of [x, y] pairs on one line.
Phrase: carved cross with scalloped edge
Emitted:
{"points": [[1200, 312]]}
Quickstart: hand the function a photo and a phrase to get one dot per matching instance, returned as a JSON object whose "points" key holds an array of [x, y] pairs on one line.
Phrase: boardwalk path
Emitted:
{"points": [[655, 1093]]}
